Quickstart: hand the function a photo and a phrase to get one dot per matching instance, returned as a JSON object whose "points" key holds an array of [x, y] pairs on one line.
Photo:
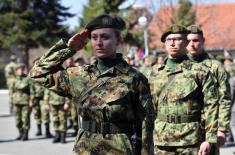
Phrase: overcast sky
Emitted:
{"points": [[76, 7]]}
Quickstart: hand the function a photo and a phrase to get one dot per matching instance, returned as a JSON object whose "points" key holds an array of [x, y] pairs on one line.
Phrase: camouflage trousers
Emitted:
{"points": [[176, 150], [40, 114], [88, 143], [11, 106], [22, 116], [74, 115], [59, 117]]}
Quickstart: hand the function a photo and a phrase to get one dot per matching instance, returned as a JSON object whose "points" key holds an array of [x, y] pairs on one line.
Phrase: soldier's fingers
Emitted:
{"points": [[81, 35]]}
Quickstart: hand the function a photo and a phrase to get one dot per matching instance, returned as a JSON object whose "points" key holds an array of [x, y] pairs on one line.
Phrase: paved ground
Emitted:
{"points": [[38, 145]]}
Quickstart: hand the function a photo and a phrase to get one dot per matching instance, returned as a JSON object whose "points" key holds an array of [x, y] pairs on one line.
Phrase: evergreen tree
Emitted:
{"points": [[185, 15], [31, 23]]}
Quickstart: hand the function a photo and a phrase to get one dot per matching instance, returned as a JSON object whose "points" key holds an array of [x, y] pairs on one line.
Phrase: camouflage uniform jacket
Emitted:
{"points": [[52, 98], [222, 80], [37, 91], [10, 72], [187, 91], [20, 90], [124, 99], [230, 68], [67, 99], [145, 70]]}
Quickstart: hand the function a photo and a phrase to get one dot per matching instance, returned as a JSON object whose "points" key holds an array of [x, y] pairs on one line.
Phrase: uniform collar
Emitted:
{"points": [[122, 67], [198, 58], [179, 68]]}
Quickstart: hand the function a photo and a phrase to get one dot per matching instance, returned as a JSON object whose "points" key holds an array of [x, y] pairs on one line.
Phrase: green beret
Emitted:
{"points": [[106, 21], [20, 65], [173, 29], [195, 29]]}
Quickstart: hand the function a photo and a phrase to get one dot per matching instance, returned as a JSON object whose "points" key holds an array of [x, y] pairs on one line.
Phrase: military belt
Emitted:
{"points": [[178, 118], [102, 127]]}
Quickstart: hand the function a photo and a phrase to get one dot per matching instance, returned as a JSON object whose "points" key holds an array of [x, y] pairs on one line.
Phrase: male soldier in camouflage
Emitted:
{"points": [[59, 114], [10, 76], [40, 114], [20, 90], [197, 54], [230, 68], [73, 117], [114, 99], [183, 94]]}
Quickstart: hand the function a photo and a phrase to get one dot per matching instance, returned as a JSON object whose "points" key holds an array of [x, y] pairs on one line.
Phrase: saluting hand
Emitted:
{"points": [[205, 148], [79, 40]]}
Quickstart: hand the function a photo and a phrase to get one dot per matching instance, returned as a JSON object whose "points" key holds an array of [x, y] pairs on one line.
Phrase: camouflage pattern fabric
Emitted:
{"points": [[37, 114], [59, 115], [189, 150], [222, 81], [145, 70], [230, 68], [73, 112], [45, 114], [22, 116], [187, 91], [123, 100], [20, 90], [37, 95], [88, 143], [10, 72]]}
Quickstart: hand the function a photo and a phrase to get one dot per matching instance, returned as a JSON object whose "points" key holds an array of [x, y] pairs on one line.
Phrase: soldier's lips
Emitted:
{"points": [[174, 49], [100, 50]]}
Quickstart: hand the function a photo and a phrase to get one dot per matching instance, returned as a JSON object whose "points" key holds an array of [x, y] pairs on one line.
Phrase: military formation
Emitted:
{"points": [[174, 104], [27, 97]]}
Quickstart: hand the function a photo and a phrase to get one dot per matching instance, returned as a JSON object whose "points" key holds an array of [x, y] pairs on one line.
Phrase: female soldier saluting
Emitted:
{"points": [[113, 98]]}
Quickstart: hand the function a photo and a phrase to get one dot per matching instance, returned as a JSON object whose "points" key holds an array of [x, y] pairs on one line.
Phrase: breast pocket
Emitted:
{"points": [[118, 103], [181, 88]]}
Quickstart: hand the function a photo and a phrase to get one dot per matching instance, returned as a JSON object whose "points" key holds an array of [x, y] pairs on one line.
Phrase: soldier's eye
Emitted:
{"points": [[105, 37], [94, 37]]}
